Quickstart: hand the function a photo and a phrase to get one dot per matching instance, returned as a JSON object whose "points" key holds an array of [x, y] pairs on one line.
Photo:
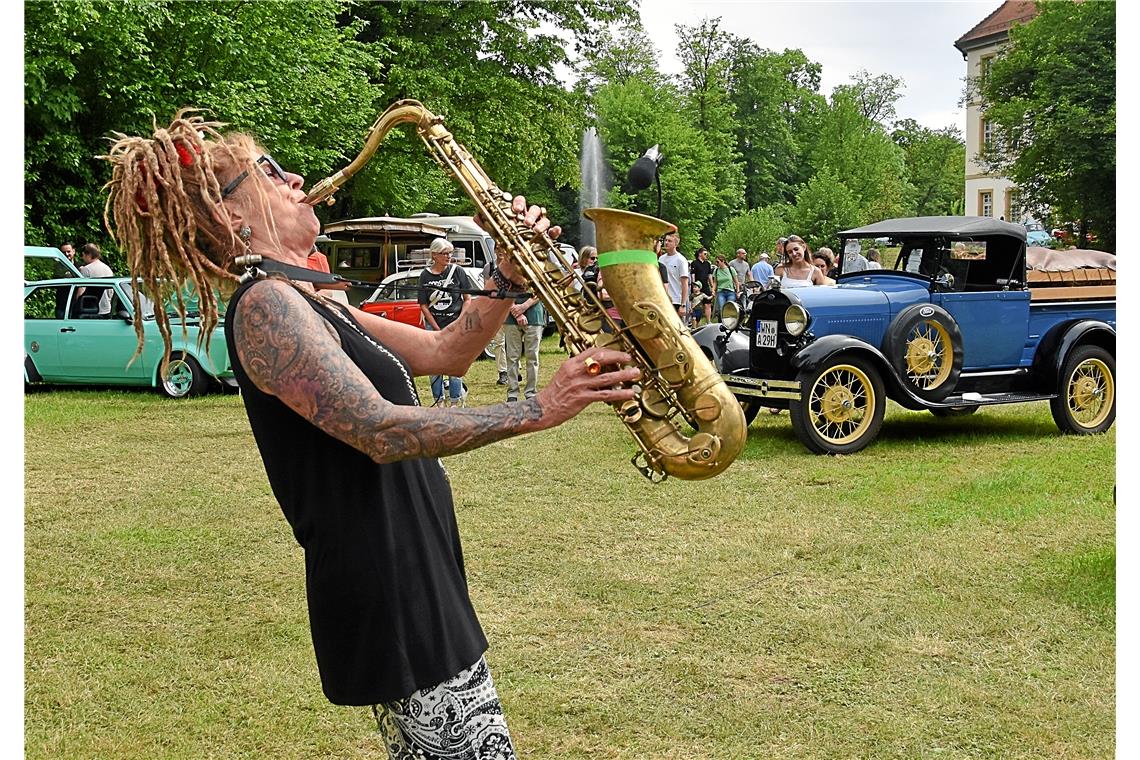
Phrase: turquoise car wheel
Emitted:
{"points": [[182, 377]]}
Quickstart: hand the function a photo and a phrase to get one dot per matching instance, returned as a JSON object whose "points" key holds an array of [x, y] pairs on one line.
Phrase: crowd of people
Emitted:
{"points": [[695, 286], [699, 289]]}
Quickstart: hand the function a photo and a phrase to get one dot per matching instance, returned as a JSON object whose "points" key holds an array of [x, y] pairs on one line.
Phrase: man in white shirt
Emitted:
{"points": [[93, 266], [853, 260], [677, 268]]}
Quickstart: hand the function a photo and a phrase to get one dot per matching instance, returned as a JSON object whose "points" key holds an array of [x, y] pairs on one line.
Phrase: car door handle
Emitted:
{"points": [[67, 329]]}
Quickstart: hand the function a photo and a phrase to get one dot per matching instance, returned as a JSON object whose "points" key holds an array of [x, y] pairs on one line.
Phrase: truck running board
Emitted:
{"points": [[986, 399]]}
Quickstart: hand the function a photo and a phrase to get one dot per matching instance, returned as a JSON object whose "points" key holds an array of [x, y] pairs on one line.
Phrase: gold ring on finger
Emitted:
{"points": [[593, 366]]}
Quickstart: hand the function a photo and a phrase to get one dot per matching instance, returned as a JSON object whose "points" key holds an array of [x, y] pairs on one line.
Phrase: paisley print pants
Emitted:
{"points": [[460, 719]]}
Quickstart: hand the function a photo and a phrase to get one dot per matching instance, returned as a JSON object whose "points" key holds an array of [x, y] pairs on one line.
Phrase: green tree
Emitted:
{"points": [[307, 79], [776, 99], [825, 206], [630, 119], [875, 95], [282, 71], [935, 165], [858, 151], [755, 231], [705, 52], [618, 56], [1051, 98], [497, 89]]}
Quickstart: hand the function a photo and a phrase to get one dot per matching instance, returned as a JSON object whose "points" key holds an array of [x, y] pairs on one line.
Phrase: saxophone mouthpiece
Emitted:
{"points": [[323, 191]]}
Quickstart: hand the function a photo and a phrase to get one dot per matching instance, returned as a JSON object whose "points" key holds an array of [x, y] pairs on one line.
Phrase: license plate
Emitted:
{"points": [[766, 333]]}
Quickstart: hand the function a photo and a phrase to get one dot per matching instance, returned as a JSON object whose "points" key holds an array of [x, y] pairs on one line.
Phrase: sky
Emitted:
{"points": [[913, 41]]}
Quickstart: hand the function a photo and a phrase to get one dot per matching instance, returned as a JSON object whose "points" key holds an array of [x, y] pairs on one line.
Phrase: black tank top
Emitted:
{"points": [[386, 587]]}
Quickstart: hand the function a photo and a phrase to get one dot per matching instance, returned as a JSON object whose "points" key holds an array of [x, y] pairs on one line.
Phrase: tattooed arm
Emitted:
{"points": [[288, 352], [449, 351]]}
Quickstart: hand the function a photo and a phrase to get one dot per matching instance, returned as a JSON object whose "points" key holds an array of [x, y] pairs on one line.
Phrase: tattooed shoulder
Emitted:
{"points": [[274, 328]]}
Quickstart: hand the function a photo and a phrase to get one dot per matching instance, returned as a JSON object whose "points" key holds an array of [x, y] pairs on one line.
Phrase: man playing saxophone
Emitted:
{"points": [[351, 455]]}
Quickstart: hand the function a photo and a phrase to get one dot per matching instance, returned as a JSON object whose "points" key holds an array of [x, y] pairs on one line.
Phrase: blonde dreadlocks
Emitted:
{"points": [[165, 202]]}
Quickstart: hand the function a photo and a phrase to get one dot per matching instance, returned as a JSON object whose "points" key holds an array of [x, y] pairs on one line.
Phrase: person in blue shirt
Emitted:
{"points": [[762, 270]]}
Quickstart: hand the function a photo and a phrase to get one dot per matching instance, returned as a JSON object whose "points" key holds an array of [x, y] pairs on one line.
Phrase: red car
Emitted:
{"points": [[396, 298]]}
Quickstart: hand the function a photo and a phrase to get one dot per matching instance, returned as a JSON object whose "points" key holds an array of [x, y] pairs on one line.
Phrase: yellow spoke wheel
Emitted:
{"points": [[928, 355], [841, 409], [1086, 398], [924, 348]]}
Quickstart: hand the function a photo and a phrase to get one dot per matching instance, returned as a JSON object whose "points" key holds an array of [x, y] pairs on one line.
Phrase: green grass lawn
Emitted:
{"points": [[947, 593]]}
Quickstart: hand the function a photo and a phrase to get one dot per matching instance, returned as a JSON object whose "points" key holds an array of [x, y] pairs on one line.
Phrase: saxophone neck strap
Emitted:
{"points": [[257, 266], [254, 264]]}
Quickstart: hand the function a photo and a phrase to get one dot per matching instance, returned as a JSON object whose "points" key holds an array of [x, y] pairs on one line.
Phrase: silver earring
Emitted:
{"points": [[245, 233]]}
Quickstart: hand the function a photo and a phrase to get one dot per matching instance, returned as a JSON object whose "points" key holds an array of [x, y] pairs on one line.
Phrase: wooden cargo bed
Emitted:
{"points": [[1048, 281]]}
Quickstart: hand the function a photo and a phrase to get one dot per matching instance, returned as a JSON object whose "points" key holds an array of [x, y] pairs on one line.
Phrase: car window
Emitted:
{"points": [[402, 289], [46, 302], [45, 268], [973, 250], [146, 303], [91, 302], [913, 259]]}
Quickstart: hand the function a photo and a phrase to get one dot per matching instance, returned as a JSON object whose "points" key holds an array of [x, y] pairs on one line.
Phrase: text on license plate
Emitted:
{"points": [[766, 333]]}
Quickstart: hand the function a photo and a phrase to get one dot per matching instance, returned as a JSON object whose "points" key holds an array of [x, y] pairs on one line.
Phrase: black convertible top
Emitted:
{"points": [[967, 226]]}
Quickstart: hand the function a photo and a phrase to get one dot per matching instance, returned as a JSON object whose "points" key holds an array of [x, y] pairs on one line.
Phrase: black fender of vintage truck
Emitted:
{"points": [[1055, 347], [823, 350]]}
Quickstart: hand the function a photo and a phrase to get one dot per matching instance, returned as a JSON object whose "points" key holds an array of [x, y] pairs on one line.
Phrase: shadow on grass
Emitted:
{"points": [[924, 426], [772, 432], [212, 389]]}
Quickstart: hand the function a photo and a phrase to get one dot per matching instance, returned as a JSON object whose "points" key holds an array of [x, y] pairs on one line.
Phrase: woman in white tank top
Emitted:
{"points": [[797, 271]]}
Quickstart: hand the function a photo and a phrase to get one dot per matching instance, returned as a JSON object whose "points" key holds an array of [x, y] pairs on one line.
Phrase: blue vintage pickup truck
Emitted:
{"points": [[960, 322]]}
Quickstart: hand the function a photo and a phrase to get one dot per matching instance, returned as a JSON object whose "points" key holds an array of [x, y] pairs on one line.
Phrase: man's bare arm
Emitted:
{"points": [[449, 351], [286, 350]]}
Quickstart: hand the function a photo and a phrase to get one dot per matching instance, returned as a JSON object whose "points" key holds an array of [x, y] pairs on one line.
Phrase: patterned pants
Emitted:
{"points": [[460, 719]]}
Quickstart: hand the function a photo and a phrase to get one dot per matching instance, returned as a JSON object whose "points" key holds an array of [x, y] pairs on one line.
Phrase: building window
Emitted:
{"points": [[986, 203], [984, 67], [987, 136], [1013, 209]]}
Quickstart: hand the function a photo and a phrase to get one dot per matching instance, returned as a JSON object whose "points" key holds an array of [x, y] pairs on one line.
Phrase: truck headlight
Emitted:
{"points": [[730, 315], [795, 320]]}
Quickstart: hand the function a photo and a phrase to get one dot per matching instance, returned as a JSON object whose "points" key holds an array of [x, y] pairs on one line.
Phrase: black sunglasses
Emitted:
{"points": [[273, 170]]}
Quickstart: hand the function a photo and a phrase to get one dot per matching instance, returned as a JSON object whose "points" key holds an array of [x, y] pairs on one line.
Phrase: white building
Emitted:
{"points": [[988, 194]]}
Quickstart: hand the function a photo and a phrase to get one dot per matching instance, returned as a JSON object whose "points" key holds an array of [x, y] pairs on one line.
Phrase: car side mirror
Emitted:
{"points": [[124, 315]]}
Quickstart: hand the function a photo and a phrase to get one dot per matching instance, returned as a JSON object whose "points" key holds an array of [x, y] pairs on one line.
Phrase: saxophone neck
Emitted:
{"points": [[400, 112]]}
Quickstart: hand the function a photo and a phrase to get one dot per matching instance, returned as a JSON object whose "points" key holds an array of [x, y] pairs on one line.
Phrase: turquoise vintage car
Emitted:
{"points": [[79, 331]]}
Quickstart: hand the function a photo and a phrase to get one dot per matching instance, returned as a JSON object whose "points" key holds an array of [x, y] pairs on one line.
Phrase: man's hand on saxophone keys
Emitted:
{"points": [[533, 217], [596, 374]]}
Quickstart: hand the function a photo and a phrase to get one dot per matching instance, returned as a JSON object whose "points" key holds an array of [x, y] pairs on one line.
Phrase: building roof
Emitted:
{"points": [[995, 27]]}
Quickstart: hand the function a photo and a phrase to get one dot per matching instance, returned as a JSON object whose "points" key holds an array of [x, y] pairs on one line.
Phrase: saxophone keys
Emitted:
{"points": [[674, 366], [703, 448], [706, 408], [630, 411], [589, 322], [654, 403]]}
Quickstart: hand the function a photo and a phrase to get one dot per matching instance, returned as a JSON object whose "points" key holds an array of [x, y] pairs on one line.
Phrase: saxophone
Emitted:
{"points": [[677, 379]]}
